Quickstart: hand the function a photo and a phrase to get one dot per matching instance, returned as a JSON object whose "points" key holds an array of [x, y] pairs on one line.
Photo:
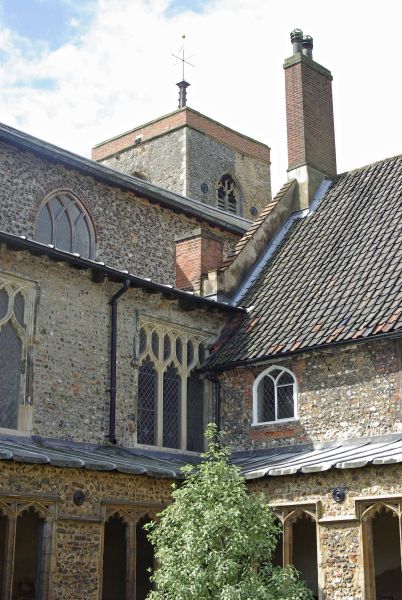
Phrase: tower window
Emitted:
{"points": [[229, 195]]}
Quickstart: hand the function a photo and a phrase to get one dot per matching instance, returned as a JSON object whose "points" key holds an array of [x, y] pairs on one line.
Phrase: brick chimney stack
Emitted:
{"points": [[310, 119], [197, 253]]}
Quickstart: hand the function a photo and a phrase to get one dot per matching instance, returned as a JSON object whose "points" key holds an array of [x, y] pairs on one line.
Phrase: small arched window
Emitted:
{"points": [[229, 195], [64, 222], [274, 396]]}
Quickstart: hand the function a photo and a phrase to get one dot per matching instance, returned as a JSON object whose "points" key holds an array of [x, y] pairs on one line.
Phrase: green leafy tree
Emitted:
{"points": [[216, 540]]}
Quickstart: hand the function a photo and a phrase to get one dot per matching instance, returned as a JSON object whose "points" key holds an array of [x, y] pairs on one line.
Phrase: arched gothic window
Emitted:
{"points": [[229, 195], [171, 396], [16, 323], [274, 396], [64, 222]]}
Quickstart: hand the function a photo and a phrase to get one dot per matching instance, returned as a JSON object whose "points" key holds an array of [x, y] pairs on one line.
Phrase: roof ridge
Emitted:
{"points": [[364, 167]]}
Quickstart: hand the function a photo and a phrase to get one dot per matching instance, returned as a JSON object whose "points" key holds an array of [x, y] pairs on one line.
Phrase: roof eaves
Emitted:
{"points": [[34, 247], [208, 214], [225, 366]]}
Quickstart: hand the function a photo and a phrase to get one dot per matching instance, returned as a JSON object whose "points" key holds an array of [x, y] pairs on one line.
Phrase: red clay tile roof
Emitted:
{"points": [[336, 277], [261, 218]]}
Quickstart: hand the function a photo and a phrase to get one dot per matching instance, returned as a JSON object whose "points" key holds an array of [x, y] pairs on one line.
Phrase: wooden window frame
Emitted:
{"points": [[259, 381]]}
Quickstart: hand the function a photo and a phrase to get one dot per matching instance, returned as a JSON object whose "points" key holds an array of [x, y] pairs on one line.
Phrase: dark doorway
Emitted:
{"points": [[305, 551], [387, 556], [277, 556], [114, 560], [145, 562], [28, 552]]}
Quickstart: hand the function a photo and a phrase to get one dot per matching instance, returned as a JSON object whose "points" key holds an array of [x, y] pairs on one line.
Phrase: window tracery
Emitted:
{"points": [[63, 222], [229, 195], [274, 396], [171, 397], [16, 324]]}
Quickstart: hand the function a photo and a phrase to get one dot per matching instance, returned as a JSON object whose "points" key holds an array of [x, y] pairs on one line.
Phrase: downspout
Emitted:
{"points": [[113, 361]]}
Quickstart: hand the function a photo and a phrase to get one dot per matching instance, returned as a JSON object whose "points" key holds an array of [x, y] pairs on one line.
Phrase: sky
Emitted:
{"points": [[76, 72]]}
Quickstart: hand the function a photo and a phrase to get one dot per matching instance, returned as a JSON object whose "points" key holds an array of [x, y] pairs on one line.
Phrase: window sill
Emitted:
{"points": [[167, 450], [15, 432], [275, 424]]}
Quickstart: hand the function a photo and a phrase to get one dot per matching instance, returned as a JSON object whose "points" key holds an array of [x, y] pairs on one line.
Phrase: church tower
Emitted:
{"points": [[195, 156]]}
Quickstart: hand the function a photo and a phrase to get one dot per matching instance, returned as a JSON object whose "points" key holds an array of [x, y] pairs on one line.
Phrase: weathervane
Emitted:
{"points": [[183, 84]]}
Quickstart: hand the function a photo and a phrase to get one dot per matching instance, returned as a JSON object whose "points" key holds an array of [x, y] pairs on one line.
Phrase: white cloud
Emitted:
{"points": [[120, 73]]}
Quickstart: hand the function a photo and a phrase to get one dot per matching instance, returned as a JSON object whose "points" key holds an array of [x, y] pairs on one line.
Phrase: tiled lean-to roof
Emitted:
{"points": [[336, 276], [257, 223]]}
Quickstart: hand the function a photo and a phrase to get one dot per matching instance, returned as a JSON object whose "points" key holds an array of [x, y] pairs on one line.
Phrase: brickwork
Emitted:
{"points": [[180, 118], [71, 348], [184, 155], [195, 256], [309, 113], [342, 394], [131, 233]]}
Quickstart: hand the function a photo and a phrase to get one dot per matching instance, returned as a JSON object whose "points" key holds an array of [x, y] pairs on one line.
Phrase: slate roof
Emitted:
{"points": [[155, 194], [253, 464], [335, 278]]}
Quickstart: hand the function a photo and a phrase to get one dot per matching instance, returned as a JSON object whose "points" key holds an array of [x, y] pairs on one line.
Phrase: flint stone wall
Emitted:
{"points": [[131, 233], [342, 393]]}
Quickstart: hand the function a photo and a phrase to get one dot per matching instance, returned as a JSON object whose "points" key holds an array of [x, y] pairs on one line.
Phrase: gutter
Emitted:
{"points": [[320, 347], [157, 195], [102, 270]]}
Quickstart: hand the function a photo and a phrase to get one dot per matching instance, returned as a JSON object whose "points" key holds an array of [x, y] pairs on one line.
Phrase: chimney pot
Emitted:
{"points": [[308, 46], [296, 37], [182, 85]]}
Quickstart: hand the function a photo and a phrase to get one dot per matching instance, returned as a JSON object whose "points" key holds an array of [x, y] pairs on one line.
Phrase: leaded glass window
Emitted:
{"points": [[195, 413], [16, 296], [229, 195], [147, 403], [171, 407], [64, 222], [171, 399], [274, 396]]}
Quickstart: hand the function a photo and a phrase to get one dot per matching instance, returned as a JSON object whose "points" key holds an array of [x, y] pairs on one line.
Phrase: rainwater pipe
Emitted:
{"points": [[113, 363]]}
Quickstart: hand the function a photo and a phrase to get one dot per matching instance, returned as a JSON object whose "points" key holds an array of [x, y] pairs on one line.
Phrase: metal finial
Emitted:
{"points": [[183, 84]]}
